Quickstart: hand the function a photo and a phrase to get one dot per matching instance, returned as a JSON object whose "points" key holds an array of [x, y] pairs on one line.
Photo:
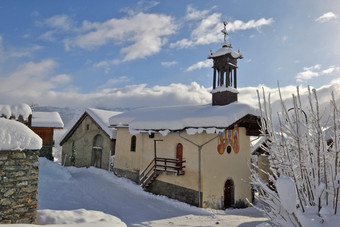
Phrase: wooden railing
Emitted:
{"points": [[157, 165]]}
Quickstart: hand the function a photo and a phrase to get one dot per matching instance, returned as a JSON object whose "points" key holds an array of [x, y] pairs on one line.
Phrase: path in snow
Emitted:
{"points": [[72, 188]]}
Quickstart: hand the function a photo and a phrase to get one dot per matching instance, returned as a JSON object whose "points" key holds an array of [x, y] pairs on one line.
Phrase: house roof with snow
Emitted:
{"points": [[47, 120], [15, 111], [100, 117], [17, 136], [193, 119]]}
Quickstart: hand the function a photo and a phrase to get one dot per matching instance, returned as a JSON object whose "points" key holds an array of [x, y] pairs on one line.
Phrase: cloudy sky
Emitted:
{"points": [[110, 54]]}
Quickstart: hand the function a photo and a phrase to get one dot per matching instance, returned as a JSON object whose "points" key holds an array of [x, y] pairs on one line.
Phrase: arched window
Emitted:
{"points": [[133, 143], [98, 141]]}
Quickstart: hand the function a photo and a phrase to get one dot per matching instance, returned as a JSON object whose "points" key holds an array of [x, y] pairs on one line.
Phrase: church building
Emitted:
{"points": [[198, 154]]}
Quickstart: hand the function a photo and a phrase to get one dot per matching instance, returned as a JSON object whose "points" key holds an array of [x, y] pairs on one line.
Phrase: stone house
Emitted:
{"points": [[44, 124], [197, 154], [19, 172], [90, 141]]}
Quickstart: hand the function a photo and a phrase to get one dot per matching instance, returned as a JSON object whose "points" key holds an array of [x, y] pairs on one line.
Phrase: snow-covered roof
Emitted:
{"points": [[47, 120], [195, 119], [15, 111], [17, 136], [224, 51], [101, 117]]}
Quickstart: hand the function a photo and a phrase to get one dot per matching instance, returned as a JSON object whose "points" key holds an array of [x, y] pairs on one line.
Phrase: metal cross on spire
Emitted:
{"points": [[224, 31]]}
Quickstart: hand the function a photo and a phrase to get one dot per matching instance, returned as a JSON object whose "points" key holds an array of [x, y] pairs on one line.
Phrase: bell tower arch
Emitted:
{"points": [[224, 73]]}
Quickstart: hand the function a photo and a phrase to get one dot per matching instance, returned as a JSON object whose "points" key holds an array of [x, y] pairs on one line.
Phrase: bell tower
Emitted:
{"points": [[225, 73]]}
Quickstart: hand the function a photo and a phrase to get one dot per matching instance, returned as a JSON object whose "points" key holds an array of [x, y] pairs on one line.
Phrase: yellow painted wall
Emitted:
{"points": [[216, 168]]}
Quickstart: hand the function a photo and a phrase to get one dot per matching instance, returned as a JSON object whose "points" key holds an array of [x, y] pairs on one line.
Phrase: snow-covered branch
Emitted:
{"points": [[302, 175]]}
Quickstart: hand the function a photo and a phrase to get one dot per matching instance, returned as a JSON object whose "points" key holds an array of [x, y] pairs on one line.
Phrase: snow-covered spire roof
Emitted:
{"points": [[226, 47]]}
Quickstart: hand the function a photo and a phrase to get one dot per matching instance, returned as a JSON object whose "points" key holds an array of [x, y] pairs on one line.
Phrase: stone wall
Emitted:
{"points": [[19, 174], [175, 192]]}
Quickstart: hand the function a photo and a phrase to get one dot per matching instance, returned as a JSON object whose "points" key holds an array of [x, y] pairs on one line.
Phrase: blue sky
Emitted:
{"points": [[120, 53]]}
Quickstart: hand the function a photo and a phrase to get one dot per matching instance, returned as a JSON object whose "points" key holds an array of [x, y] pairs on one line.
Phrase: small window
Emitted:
{"points": [[87, 127], [133, 143]]}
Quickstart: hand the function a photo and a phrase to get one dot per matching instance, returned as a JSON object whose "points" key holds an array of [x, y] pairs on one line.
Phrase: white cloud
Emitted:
{"points": [[25, 52], [104, 65], [101, 64], [141, 6], [31, 81], [11, 52], [315, 71], [61, 79], [326, 17], [169, 63], [257, 24], [113, 82], [48, 36], [141, 95], [308, 73], [194, 14], [201, 64], [330, 70], [209, 30], [142, 34], [60, 22]]}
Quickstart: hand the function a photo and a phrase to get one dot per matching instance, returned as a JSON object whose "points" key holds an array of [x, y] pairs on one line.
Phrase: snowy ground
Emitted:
{"points": [[94, 197]]}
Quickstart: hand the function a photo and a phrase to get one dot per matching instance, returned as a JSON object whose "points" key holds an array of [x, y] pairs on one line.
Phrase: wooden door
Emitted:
{"points": [[179, 154], [97, 157], [228, 193]]}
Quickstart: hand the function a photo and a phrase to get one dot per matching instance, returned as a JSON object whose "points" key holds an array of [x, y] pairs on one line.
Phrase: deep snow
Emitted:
{"points": [[17, 136], [95, 197]]}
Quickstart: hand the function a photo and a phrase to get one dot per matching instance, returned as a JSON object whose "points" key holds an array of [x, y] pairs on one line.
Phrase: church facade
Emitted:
{"points": [[196, 154]]}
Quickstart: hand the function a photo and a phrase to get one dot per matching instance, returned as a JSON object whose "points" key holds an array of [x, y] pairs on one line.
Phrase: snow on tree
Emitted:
{"points": [[304, 172]]}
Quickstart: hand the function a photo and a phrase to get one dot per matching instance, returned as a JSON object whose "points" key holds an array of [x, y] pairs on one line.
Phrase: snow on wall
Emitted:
{"points": [[47, 119], [199, 117], [15, 111], [17, 136]]}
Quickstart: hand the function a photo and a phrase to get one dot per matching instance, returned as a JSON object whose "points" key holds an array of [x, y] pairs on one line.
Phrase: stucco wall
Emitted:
{"points": [[216, 168], [83, 138]]}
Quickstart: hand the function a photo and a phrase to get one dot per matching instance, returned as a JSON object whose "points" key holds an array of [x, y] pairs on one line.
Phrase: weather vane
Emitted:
{"points": [[224, 31]]}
